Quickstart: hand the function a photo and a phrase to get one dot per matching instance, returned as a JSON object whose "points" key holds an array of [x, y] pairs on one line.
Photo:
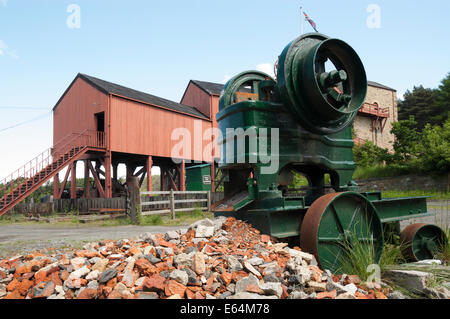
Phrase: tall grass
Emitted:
{"points": [[380, 171], [358, 256]]}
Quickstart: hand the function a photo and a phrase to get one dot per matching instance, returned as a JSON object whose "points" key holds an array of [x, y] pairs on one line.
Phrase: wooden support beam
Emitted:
{"points": [[141, 180], [87, 183], [182, 176], [213, 177], [130, 169], [73, 180], [115, 170], [108, 181], [162, 177], [56, 186], [139, 172], [172, 182], [98, 184], [63, 185], [149, 173]]}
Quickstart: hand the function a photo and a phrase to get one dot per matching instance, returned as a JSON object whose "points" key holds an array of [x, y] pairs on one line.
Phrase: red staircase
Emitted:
{"points": [[24, 181]]}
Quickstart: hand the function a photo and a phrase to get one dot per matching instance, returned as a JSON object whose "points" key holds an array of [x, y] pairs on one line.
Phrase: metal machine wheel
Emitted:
{"points": [[421, 241], [339, 221]]}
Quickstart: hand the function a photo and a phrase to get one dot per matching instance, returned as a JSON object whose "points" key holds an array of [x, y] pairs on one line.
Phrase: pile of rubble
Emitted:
{"points": [[220, 258]]}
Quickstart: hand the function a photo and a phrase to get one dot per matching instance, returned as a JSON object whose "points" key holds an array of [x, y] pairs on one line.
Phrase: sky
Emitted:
{"points": [[158, 46]]}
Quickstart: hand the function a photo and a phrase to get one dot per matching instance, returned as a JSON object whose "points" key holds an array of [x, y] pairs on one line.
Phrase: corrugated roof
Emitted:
{"points": [[109, 87], [216, 88]]}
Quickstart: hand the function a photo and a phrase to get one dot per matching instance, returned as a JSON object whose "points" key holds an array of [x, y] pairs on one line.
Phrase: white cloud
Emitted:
{"points": [[266, 68], [4, 49], [4, 2]]}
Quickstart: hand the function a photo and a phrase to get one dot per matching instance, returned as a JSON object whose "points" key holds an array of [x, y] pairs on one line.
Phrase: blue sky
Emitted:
{"points": [[158, 46]]}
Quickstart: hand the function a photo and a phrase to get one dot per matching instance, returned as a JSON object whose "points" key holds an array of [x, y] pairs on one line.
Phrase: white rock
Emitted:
{"points": [[305, 256], [77, 262], [409, 279], [252, 269], [351, 288], [139, 281], [171, 234], [77, 274], [272, 288], [241, 284], [346, 295], [93, 275], [204, 231]]}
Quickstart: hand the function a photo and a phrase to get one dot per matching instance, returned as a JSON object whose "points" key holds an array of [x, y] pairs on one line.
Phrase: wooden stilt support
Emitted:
{"points": [[108, 181], [73, 180], [163, 180], [87, 182], [149, 173], [182, 175], [98, 184], [213, 177], [56, 186], [63, 185]]}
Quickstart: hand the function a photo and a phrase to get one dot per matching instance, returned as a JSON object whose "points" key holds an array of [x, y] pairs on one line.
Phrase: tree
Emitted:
{"points": [[407, 138], [369, 154], [441, 106], [419, 103], [434, 149]]}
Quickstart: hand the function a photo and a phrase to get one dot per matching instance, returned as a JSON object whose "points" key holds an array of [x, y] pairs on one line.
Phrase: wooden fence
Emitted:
{"points": [[155, 203], [79, 205]]}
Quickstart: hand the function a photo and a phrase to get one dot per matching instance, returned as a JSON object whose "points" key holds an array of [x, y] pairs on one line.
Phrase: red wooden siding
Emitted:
{"points": [[75, 112], [197, 98], [138, 128]]}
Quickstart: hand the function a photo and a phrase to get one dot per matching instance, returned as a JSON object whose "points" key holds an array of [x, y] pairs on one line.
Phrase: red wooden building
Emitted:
{"points": [[102, 125]]}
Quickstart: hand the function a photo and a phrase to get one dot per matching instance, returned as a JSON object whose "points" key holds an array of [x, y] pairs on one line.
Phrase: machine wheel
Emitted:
{"points": [[337, 221], [421, 241]]}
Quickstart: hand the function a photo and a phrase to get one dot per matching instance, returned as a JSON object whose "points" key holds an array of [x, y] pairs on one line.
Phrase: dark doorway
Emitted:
{"points": [[100, 119]]}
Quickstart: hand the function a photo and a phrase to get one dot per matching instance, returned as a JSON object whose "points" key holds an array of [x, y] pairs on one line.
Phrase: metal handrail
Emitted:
{"points": [[87, 138], [374, 109]]}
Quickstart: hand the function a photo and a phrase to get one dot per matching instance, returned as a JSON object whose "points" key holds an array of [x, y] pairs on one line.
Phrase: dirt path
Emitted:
{"points": [[20, 239]]}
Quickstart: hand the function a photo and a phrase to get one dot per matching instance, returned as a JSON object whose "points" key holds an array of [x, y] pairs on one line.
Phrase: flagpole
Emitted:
{"points": [[301, 20]]}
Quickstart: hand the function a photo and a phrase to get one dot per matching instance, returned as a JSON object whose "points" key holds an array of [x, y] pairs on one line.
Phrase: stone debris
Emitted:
{"points": [[222, 258]]}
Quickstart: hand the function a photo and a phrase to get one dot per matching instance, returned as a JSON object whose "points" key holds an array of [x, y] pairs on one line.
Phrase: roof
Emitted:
{"points": [[215, 88], [116, 89], [381, 86], [210, 87]]}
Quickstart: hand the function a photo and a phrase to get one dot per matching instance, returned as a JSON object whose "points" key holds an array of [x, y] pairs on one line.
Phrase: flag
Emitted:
{"points": [[311, 22]]}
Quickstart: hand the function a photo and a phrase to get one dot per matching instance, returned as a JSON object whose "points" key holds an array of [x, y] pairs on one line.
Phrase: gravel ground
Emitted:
{"points": [[19, 239]]}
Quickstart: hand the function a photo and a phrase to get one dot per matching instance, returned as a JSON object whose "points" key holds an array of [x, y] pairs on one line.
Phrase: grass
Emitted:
{"points": [[444, 251], [181, 218], [379, 171], [435, 195], [358, 256]]}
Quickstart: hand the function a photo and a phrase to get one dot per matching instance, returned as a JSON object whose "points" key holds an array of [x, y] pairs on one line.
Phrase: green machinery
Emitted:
{"points": [[301, 122]]}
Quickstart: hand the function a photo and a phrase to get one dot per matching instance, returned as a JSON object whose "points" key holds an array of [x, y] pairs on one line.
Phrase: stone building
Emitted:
{"points": [[374, 120]]}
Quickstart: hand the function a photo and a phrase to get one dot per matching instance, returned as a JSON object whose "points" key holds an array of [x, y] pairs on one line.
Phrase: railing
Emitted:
{"points": [[374, 109], [87, 138], [172, 201]]}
